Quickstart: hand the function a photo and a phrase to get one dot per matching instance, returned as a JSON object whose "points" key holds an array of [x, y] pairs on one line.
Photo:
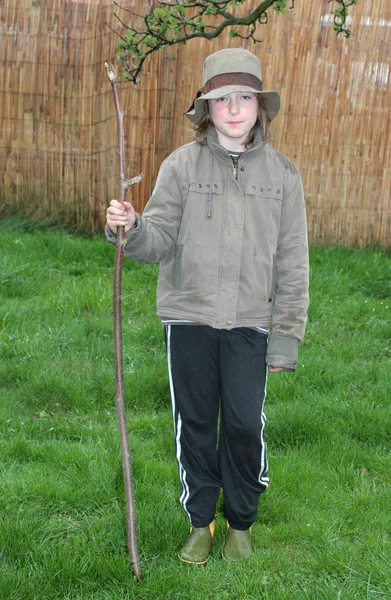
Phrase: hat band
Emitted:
{"points": [[227, 79], [231, 79]]}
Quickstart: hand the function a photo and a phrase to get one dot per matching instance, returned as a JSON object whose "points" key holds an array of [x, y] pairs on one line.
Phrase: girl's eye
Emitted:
{"points": [[223, 99], [246, 97]]}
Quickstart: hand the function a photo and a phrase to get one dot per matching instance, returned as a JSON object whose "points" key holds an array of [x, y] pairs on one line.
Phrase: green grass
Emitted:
{"points": [[324, 527]]}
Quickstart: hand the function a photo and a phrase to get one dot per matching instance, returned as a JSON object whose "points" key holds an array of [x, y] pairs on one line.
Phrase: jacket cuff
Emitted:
{"points": [[282, 352], [110, 235]]}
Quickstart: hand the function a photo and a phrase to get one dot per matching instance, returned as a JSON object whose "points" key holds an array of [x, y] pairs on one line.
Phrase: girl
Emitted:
{"points": [[226, 221]]}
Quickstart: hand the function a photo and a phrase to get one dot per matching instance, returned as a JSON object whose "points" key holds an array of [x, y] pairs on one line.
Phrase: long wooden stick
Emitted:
{"points": [[124, 185]]}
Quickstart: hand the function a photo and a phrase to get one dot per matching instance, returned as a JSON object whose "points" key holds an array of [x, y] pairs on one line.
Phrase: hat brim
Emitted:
{"points": [[272, 101]]}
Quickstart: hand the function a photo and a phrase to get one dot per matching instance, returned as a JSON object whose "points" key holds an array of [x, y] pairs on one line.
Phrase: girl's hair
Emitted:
{"points": [[263, 122]]}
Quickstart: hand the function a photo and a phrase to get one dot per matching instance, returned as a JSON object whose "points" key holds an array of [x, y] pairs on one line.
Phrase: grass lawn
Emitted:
{"points": [[324, 527]]}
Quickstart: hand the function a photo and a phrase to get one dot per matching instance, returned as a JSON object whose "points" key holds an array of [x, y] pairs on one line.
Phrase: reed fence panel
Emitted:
{"points": [[58, 129]]}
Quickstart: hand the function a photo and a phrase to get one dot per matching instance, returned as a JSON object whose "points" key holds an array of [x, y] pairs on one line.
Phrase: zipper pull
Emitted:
{"points": [[236, 166]]}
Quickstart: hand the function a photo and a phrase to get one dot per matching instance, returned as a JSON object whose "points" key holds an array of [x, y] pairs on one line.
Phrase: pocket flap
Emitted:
{"points": [[202, 186], [265, 189]]}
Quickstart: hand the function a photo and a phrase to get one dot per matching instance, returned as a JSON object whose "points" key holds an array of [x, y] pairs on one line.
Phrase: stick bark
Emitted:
{"points": [[124, 185]]}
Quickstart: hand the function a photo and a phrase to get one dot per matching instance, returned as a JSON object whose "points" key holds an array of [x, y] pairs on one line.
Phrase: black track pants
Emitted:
{"points": [[216, 372]]}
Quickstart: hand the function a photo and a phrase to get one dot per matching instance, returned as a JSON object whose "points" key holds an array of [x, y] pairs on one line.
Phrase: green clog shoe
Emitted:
{"points": [[198, 546], [238, 544]]}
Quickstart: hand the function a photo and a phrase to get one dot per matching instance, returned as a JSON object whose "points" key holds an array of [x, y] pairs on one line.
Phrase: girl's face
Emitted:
{"points": [[234, 116]]}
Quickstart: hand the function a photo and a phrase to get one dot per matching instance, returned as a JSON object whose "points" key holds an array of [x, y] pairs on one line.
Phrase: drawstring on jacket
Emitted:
{"points": [[209, 213]]}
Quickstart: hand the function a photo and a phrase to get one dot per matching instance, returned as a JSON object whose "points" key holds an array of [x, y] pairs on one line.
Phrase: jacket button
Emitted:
{"points": [[229, 322], [278, 191], [261, 189], [200, 185], [242, 169]]}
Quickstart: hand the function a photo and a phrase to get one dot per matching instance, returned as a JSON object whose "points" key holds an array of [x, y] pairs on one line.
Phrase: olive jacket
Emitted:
{"points": [[232, 252]]}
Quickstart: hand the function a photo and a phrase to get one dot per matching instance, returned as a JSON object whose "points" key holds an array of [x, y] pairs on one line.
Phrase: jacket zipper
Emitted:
{"points": [[235, 160]]}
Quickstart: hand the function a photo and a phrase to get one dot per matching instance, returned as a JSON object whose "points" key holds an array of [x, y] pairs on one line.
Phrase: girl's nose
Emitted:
{"points": [[233, 107]]}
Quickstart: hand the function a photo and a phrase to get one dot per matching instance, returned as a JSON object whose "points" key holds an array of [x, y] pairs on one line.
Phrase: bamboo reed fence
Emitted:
{"points": [[58, 132]]}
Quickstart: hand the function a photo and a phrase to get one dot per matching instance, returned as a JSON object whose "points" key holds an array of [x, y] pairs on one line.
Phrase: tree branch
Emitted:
{"points": [[341, 15], [166, 23]]}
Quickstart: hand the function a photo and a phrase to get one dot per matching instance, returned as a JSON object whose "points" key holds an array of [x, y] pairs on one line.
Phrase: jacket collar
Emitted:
{"points": [[223, 154]]}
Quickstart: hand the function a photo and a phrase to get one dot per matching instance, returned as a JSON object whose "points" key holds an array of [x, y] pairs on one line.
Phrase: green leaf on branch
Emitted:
{"points": [[280, 6]]}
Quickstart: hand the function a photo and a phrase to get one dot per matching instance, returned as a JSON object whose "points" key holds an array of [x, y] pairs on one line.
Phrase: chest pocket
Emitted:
{"points": [[272, 190]]}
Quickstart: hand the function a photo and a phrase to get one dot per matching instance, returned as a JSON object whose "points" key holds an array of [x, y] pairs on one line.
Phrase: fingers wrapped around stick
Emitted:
{"points": [[119, 214]]}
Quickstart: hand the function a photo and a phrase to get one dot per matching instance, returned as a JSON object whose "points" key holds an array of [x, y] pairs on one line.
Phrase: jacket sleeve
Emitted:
{"points": [[156, 231], [291, 299]]}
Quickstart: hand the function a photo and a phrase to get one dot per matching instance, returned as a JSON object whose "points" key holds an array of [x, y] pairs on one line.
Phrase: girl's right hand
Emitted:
{"points": [[119, 214]]}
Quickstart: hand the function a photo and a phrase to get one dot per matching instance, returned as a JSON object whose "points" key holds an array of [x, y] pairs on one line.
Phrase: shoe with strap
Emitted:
{"points": [[198, 546], [238, 544]]}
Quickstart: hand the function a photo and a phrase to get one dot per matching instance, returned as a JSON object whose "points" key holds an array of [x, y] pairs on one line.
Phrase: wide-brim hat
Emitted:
{"points": [[232, 70]]}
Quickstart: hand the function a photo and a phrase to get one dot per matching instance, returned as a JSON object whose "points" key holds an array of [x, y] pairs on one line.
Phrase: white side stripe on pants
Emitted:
{"points": [[177, 428], [264, 479]]}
